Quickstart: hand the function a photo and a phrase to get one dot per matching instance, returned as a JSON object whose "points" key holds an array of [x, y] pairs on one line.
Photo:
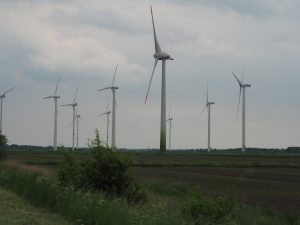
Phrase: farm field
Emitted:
{"points": [[267, 181]]}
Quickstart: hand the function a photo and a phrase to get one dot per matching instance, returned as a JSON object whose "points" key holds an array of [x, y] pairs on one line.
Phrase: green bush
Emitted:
{"points": [[3, 142], [210, 211], [104, 171]]}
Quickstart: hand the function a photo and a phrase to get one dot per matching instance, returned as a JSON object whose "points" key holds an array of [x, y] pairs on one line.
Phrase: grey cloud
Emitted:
{"points": [[253, 7], [107, 19]]}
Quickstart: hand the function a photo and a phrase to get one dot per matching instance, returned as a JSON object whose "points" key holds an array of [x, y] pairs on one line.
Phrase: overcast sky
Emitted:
{"points": [[81, 42]]}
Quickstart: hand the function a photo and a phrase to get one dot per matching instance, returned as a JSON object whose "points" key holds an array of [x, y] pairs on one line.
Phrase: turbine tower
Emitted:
{"points": [[2, 97], [242, 87], [170, 119], [78, 117], [55, 97], [163, 56], [207, 105], [107, 113], [113, 130], [73, 104]]}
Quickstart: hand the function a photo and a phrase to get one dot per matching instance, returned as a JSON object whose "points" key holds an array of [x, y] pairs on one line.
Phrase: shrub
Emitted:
{"points": [[105, 171], [3, 142], [210, 211]]}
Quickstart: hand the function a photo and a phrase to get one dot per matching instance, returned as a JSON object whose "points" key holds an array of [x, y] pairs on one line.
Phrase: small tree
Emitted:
{"points": [[104, 170], [3, 142], [96, 143]]}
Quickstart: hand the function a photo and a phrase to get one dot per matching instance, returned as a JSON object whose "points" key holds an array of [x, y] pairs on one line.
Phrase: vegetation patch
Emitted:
{"points": [[15, 211], [3, 143], [207, 211], [85, 207], [104, 170]]}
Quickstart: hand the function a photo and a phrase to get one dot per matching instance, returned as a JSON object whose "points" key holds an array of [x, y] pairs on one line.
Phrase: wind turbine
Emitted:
{"points": [[170, 119], [78, 117], [207, 105], [73, 104], [242, 87], [55, 97], [107, 113], [113, 130], [163, 56], [2, 97]]}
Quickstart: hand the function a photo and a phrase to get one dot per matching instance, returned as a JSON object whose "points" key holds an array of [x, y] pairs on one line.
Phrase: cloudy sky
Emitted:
{"points": [[81, 42]]}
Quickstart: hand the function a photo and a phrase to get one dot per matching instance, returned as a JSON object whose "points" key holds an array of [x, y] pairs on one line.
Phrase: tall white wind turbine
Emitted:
{"points": [[55, 97], [163, 56], [73, 104], [170, 119], [207, 106], [242, 89], [2, 97], [113, 129]]}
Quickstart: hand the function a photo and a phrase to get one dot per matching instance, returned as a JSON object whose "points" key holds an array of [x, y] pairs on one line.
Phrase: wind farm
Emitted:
{"points": [[225, 154]]}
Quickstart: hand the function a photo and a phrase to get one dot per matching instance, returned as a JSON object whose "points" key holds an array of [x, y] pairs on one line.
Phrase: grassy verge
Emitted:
{"points": [[15, 211], [86, 208]]}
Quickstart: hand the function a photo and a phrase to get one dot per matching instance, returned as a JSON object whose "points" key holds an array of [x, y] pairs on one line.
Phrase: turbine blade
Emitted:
{"points": [[206, 92], [8, 91], [71, 123], [104, 89], [48, 97], [155, 63], [237, 79], [56, 87], [113, 82], [203, 110], [75, 95], [108, 102], [243, 75], [237, 113], [102, 114], [67, 105], [157, 47]]}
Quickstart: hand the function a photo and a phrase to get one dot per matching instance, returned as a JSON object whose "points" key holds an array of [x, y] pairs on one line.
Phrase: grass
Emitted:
{"points": [[84, 207], [269, 183], [15, 211]]}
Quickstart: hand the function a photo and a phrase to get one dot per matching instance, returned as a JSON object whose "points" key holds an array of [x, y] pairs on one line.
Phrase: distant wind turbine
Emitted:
{"points": [[242, 87], [207, 105], [113, 130], [78, 117], [163, 56], [2, 97], [73, 104], [55, 97], [107, 113], [170, 119]]}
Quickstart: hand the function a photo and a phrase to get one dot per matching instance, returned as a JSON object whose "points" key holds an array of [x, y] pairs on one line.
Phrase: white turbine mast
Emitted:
{"points": [[1, 110], [78, 117], [207, 106], [74, 105], [163, 56], [170, 119], [113, 130], [242, 89], [107, 113], [55, 97]]}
